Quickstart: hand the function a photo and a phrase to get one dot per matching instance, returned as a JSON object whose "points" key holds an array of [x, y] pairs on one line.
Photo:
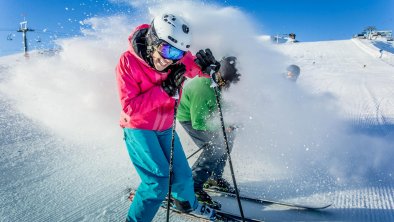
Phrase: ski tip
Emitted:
{"points": [[316, 207]]}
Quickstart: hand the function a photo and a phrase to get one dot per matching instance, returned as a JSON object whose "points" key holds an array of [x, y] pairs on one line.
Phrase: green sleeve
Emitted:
{"points": [[202, 104]]}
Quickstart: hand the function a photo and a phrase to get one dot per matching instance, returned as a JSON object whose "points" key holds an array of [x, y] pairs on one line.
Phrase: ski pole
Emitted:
{"points": [[171, 161], [195, 152], [228, 153]]}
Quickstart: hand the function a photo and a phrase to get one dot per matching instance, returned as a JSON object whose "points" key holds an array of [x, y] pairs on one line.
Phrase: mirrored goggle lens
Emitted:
{"points": [[168, 51]]}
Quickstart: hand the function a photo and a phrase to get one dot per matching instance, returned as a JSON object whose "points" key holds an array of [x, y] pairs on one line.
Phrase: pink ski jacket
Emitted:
{"points": [[145, 105]]}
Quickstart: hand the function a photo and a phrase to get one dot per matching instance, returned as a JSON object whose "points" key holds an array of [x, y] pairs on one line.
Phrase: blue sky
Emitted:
{"points": [[311, 20], [49, 19], [314, 20]]}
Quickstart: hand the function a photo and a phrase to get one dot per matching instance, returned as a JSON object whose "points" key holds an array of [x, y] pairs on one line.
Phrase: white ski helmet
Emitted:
{"points": [[172, 29]]}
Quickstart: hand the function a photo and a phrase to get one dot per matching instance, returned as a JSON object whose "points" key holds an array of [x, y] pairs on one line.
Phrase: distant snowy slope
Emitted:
{"points": [[351, 71], [377, 48], [384, 45]]}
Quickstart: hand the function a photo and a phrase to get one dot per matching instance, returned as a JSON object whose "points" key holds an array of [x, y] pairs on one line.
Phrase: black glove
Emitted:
{"points": [[207, 62], [174, 79]]}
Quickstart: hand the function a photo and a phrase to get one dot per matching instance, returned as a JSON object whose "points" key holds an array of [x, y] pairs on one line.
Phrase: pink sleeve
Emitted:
{"points": [[131, 98], [192, 69]]}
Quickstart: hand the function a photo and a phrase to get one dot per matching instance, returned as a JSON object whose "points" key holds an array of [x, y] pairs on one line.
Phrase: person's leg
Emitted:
{"points": [[182, 183], [200, 138], [152, 166], [216, 180], [217, 172], [212, 152]]}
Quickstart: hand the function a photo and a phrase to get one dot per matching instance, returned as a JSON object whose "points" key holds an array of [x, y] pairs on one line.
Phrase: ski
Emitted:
{"points": [[221, 216], [268, 202], [187, 214], [235, 217]]}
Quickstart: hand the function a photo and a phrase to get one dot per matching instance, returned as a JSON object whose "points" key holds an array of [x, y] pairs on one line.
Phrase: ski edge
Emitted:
{"points": [[222, 216], [235, 217], [264, 201]]}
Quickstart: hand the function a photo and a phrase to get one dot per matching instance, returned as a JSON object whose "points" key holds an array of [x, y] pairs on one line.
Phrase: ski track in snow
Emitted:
{"points": [[44, 178]]}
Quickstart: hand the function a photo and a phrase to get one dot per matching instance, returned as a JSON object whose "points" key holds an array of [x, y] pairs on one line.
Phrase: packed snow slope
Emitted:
{"points": [[355, 72], [326, 138]]}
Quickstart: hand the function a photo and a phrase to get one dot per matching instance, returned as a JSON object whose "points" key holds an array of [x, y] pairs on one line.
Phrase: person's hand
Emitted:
{"points": [[174, 79], [207, 62]]}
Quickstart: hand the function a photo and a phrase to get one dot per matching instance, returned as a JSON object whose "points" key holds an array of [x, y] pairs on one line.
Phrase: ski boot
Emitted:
{"points": [[204, 198], [220, 184], [203, 210]]}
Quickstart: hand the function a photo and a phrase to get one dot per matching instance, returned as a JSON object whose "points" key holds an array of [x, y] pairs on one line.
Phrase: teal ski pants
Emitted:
{"points": [[150, 153]]}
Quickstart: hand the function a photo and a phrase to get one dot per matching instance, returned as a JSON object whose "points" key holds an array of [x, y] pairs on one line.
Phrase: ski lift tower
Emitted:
{"points": [[24, 29]]}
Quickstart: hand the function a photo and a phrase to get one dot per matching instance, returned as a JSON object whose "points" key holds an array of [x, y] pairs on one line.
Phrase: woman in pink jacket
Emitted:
{"points": [[149, 75]]}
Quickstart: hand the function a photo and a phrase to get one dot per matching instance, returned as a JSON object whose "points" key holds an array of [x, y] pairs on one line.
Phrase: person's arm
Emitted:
{"points": [[203, 64], [192, 69], [132, 99]]}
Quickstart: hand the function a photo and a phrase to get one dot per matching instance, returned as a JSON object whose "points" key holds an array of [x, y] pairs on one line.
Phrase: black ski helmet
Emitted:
{"points": [[293, 71], [228, 71]]}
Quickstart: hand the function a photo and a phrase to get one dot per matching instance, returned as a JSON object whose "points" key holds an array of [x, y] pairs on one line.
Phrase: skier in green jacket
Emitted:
{"points": [[196, 113]]}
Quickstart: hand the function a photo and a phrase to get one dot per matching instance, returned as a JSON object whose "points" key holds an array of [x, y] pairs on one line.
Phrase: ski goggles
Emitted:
{"points": [[168, 51]]}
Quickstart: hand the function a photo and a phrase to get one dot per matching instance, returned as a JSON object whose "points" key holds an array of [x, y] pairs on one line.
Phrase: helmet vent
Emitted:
{"points": [[172, 39], [185, 28], [166, 19]]}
